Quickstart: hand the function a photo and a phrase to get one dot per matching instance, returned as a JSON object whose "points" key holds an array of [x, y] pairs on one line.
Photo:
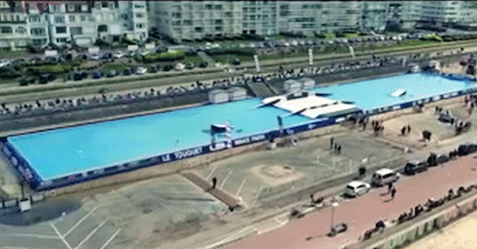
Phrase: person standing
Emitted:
{"points": [[339, 149], [403, 131], [332, 140], [393, 193], [390, 187], [408, 129], [214, 182]]}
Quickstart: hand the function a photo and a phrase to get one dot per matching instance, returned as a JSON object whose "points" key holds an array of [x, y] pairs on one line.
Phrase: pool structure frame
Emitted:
{"points": [[28, 173]]}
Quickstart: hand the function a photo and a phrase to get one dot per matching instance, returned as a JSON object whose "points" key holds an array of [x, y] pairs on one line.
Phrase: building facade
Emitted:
{"points": [[70, 22]]}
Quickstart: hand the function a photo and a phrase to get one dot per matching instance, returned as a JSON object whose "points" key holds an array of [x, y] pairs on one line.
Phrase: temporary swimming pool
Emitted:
{"points": [[84, 152]]}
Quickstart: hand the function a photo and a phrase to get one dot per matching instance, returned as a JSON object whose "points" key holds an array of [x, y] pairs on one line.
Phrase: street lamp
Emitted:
{"points": [[333, 206]]}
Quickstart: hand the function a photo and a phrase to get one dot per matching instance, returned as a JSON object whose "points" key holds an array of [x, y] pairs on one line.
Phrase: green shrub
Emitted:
{"points": [[233, 51], [167, 56]]}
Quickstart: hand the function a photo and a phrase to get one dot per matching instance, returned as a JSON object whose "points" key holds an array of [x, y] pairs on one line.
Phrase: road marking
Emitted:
{"points": [[110, 239], [231, 236], [40, 236], [90, 234], [80, 221], [241, 186], [257, 195], [15, 247], [225, 179], [211, 173], [61, 236]]}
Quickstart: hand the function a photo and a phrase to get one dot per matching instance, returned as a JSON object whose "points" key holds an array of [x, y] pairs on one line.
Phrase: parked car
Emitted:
{"points": [[130, 54], [338, 228], [94, 57], [118, 55], [107, 56], [189, 65], [111, 73], [356, 188], [45, 78], [153, 69], [27, 81], [168, 68], [127, 71], [384, 176], [141, 70], [236, 62], [97, 74], [4, 63], [440, 159], [415, 166], [203, 64], [80, 75]]}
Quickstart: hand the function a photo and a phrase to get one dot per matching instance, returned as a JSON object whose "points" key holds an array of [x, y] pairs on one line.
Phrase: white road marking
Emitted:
{"points": [[228, 238], [90, 234], [241, 186], [211, 173], [110, 239], [40, 236], [61, 236], [256, 196], [225, 179], [80, 221]]}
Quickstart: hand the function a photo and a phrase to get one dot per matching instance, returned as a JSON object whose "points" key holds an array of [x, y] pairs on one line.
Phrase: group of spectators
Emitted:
{"points": [[48, 106], [57, 105]]}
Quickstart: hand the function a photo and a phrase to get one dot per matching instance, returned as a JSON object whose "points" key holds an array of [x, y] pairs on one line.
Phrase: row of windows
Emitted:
{"points": [[9, 30]]}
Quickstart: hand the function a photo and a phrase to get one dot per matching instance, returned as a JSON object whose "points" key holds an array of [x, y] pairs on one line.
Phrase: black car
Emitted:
{"points": [[80, 76], [27, 81], [413, 167], [127, 71], [203, 64], [45, 78], [97, 74], [168, 68]]}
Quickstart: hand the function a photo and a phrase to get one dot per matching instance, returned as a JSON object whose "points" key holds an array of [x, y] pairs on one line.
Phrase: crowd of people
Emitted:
{"points": [[67, 104], [39, 107]]}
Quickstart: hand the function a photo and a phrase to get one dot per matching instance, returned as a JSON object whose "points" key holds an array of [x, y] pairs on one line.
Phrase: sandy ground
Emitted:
{"points": [[459, 235]]}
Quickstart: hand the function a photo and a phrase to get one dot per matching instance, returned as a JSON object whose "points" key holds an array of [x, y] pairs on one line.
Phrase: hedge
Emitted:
{"points": [[235, 51], [167, 56]]}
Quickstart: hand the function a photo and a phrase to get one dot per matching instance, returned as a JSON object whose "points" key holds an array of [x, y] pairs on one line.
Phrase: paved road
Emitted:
{"points": [[361, 213]]}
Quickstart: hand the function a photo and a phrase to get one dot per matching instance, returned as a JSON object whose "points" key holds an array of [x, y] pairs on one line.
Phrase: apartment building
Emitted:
{"points": [[14, 28], [447, 12], [189, 20], [63, 22], [259, 17]]}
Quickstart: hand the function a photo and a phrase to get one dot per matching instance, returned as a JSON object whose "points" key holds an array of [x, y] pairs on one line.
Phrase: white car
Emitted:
{"points": [[118, 55], [4, 63], [95, 57], [141, 70], [356, 188]]}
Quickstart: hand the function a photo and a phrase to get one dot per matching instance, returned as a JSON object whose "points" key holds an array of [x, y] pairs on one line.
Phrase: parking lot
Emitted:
{"points": [[262, 174], [139, 215]]}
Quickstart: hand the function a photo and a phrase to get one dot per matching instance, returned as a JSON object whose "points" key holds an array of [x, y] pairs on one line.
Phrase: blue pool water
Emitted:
{"points": [[66, 151], [61, 152], [375, 93]]}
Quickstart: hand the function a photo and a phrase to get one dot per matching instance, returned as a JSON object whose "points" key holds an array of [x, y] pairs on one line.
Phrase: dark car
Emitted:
{"points": [[80, 76], [127, 71], [413, 167], [97, 74], [153, 69], [27, 81], [45, 78], [168, 68], [107, 56], [236, 62], [203, 64]]}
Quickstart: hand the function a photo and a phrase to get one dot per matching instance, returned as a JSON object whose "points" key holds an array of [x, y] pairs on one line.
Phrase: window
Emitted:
{"points": [[218, 7], [37, 31], [138, 6], [76, 30], [6, 30], [104, 4], [83, 18], [139, 25], [198, 29], [60, 39], [20, 30], [103, 28], [71, 7], [139, 15], [208, 6], [61, 30], [59, 19], [34, 18], [72, 18]]}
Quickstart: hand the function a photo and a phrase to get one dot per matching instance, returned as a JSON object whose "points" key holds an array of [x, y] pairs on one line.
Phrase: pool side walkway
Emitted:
{"points": [[222, 195]]}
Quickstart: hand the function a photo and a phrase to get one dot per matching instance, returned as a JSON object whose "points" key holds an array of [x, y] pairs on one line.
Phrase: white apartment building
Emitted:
{"points": [[14, 28], [444, 12], [189, 20], [375, 15], [62, 22], [259, 17]]}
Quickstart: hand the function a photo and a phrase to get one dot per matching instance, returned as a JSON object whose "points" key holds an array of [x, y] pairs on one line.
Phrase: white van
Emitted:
{"points": [[384, 176]]}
